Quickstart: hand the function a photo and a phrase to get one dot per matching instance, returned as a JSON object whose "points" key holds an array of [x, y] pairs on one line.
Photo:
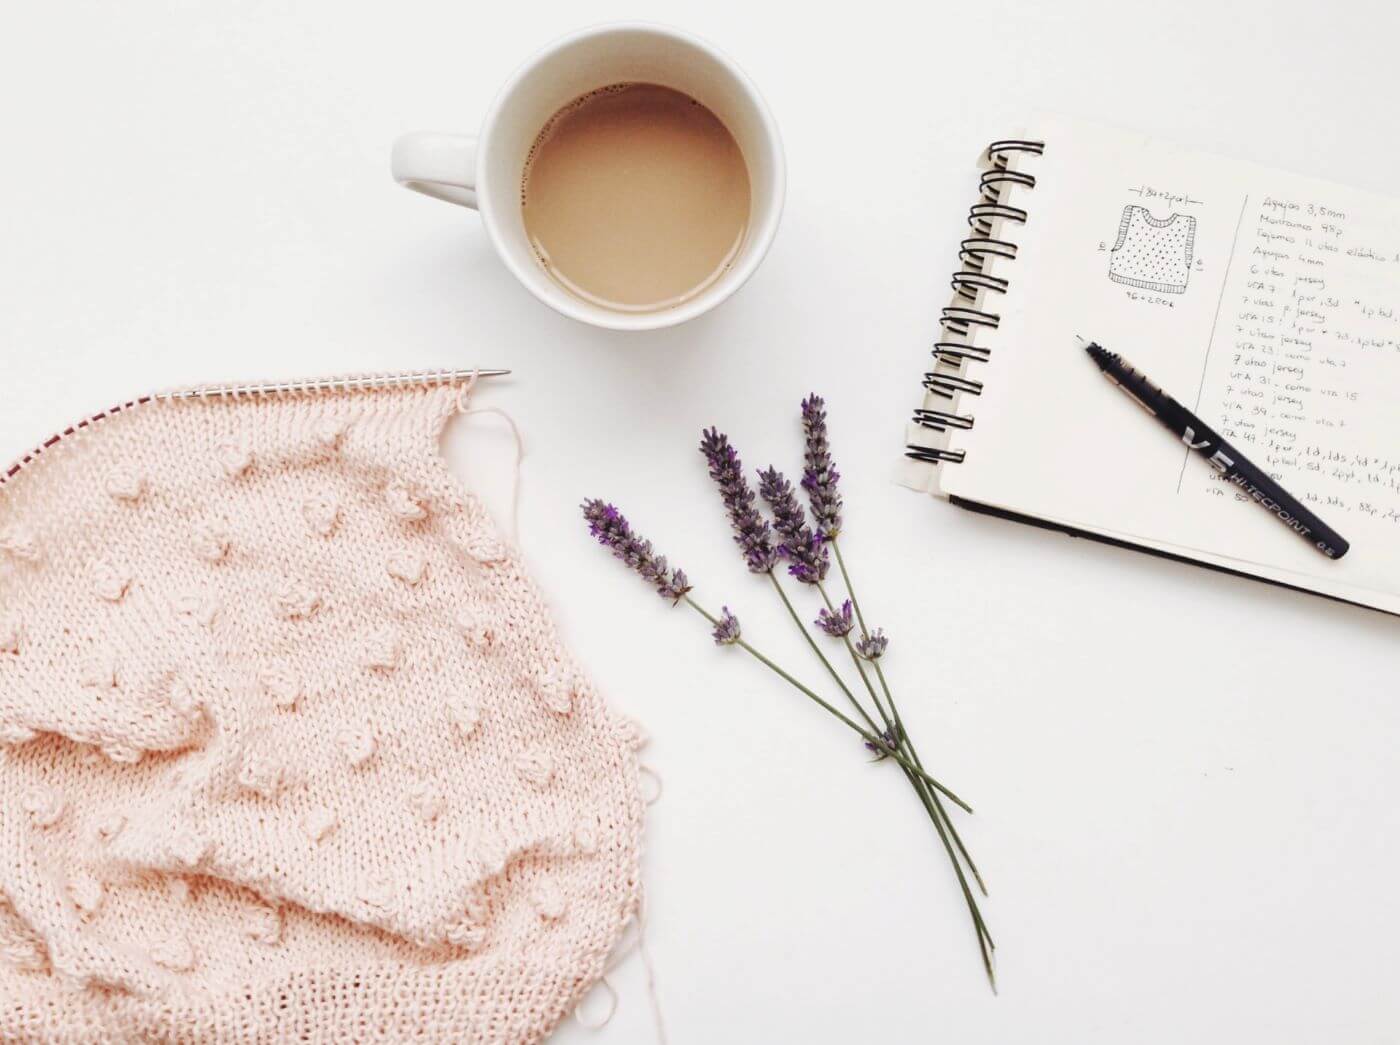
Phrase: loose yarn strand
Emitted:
{"points": [[650, 967], [465, 409], [620, 954], [648, 771], [603, 1021]]}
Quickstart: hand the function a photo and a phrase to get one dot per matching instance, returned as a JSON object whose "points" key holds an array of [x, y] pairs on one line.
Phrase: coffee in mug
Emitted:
{"points": [[635, 197], [629, 175]]}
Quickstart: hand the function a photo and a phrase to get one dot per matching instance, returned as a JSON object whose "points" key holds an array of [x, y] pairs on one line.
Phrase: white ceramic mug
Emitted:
{"points": [[485, 172]]}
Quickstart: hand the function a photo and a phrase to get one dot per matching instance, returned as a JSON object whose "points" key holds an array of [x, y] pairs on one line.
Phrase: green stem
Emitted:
{"points": [[873, 738], [932, 804], [846, 579], [889, 723], [822, 656], [906, 743], [957, 838], [894, 709]]}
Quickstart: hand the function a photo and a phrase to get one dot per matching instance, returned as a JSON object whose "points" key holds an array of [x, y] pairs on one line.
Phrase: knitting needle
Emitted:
{"points": [[422, 378], [346, 384]]}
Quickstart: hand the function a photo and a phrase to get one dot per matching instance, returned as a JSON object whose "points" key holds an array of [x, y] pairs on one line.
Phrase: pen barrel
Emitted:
{"points": [[1249, 479]]}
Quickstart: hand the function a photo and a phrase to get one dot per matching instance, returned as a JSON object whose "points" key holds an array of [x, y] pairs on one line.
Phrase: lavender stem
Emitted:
{"points": [[907, 744], [822, 656], [871, 738], [898, 722]]}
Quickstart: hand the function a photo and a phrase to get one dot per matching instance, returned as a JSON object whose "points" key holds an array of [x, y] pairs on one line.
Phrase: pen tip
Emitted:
{"points": [[1097, 353]]}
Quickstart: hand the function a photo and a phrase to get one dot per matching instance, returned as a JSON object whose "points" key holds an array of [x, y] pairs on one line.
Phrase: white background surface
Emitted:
{"points": [[1184, 782]]}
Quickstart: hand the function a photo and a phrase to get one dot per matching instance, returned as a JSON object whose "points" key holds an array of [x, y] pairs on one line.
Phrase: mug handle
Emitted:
{"points": [[439, 165]]}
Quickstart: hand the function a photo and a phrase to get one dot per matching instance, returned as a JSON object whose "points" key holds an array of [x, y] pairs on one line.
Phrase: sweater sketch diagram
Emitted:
{"points": [[1153, 253]]}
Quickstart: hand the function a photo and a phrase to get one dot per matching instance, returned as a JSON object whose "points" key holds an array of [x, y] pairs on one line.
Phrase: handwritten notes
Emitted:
{"points": [[1303, 371]]}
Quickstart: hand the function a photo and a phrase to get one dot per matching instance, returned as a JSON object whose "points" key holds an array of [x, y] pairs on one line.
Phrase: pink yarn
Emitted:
{"points": [[290, 749]]}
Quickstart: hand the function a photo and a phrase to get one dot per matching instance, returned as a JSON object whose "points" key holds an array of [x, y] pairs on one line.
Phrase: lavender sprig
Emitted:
{"points": [[726, 631], [819, 477], [805, 550], [809, 549], [837, 624], [751, 530], [613, 532]]}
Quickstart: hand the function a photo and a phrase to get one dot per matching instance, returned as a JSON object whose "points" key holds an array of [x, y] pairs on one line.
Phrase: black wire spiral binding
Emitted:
{"points": [[960, 319]]}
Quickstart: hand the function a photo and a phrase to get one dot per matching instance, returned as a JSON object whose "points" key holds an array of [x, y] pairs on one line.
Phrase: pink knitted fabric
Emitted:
{"points": [[290, 748]]}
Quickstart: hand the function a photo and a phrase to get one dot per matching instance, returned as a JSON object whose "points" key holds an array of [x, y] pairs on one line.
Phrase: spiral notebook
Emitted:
{"points": [[1267, 302]]}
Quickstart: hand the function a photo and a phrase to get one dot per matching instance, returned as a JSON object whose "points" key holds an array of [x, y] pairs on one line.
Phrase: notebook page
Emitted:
{"points": [[1260, 299]]}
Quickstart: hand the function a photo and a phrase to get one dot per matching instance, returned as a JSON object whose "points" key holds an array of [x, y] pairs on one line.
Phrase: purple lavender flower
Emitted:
{"points": [[613, 532], [726, 631], [872, 647], [890, 737], [751, 531], [819, 477], [806, 551], [838, 624]]}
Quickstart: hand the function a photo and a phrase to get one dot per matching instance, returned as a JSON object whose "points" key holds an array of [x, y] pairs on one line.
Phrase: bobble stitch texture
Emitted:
{"points": [[464, 714], [536, 767], [125, 484], [318, 823], [174, 953], [586, 839], [328, 432], [406, 566], [548, 900], [158, 891], [87, 893], [98, 669], [235, 457], [110, 582], [201, 609], [44, 806], [189, 850], [427, 800], [264, 925], [633, 735], [296, 601], [261, 774], [109, 827], [122, 753], [466, 934], [356, 745], [484, 549], [491, 855], [557, 691], [212, 543], [282, 687], [475, 630], [403, 504], [20, 543], [377, 891], [321, 512], [184, 702], [381, 651]]}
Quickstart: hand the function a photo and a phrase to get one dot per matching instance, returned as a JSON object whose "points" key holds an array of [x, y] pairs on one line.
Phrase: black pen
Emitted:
{"points": [[1224, 458]]}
